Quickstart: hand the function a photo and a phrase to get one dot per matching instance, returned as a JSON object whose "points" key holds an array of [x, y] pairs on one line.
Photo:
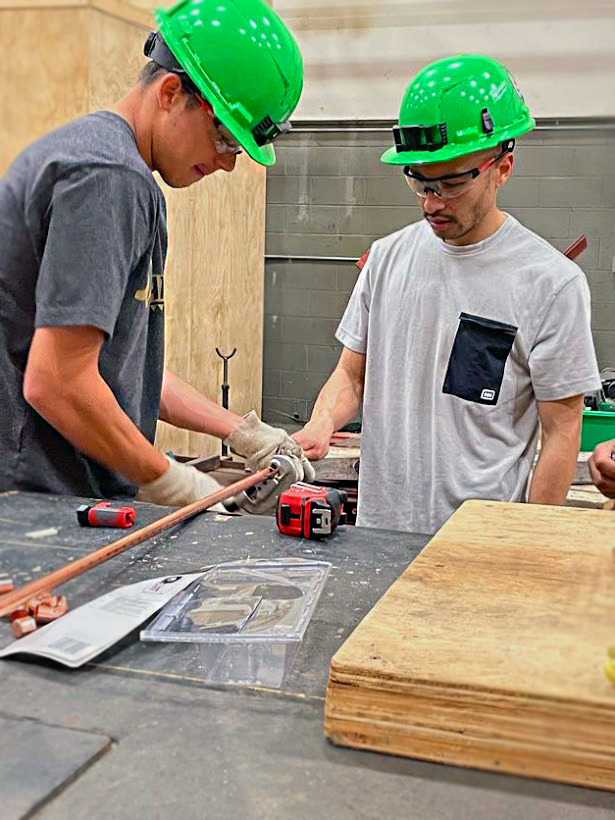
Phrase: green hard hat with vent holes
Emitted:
{"points": [[243, 60], [455, 107]]}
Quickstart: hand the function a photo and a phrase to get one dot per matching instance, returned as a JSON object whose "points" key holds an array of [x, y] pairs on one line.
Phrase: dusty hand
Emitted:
{"points": [[602, 468], [314, 439], [180, 485], [257, 442]]}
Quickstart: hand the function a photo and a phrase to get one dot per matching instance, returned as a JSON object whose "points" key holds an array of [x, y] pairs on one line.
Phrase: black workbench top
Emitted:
{"points": [[150, 739]]}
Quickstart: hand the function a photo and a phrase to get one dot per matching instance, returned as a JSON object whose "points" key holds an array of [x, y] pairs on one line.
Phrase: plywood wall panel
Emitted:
{"points": [[214, 288], [115, 57], [42, 84]]}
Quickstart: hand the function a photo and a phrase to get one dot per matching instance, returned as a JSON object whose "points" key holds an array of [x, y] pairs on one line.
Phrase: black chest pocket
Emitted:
{"points": [[477, 360]]}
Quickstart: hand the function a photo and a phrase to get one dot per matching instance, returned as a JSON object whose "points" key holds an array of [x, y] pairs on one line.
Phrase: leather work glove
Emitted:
{"points": [[257, 442], [181, 484]]}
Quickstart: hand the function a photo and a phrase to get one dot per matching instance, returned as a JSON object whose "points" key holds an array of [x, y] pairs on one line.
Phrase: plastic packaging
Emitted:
{"points": [[247, 618]]}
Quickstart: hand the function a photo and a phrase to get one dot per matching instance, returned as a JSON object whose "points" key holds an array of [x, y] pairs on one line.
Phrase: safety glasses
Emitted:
{"points": [[451, 186], [224, 141]]}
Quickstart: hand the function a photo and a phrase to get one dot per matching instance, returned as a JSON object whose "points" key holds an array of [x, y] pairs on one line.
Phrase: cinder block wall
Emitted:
{"points": [[328, 195]]}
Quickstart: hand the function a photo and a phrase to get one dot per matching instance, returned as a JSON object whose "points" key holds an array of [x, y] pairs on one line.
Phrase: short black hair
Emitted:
{"points": [[149, 72], [152, 70]]}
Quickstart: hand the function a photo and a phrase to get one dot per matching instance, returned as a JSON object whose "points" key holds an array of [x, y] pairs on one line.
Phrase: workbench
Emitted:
{"points": [[137, 733]]}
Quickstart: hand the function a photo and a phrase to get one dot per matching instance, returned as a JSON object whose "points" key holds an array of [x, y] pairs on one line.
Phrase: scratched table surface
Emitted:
{"points": [[138, 733]]}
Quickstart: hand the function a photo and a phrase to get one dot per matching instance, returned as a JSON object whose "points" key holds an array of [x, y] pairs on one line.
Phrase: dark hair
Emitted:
{"points": [[152, 70]]}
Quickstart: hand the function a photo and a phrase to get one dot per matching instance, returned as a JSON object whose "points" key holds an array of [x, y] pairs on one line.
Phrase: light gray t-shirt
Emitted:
{"points": [[460, 344], [82, 242]]}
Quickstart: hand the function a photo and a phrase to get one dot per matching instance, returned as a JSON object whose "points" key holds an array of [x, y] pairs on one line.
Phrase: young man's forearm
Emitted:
{"points": [[86, 413], [561, 435], [338, 402], [184, 406], [554, 470]]}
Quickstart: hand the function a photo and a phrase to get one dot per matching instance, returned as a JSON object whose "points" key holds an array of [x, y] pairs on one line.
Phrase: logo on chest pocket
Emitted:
{"points": [[478, 358]]}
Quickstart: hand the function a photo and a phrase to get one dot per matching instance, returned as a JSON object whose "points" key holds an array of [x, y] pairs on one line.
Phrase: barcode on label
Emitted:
{"points": [[71, 646]]}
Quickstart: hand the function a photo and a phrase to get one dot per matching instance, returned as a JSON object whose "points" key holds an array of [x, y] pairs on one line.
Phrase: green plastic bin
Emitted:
{"points": [[598, 426]]}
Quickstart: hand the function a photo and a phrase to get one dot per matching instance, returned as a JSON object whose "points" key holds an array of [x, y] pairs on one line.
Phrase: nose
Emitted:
{"points": [[227, 161], [432, 203]]}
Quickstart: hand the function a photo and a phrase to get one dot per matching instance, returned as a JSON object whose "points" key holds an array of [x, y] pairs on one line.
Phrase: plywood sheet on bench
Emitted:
{"points": [[488, 651]]}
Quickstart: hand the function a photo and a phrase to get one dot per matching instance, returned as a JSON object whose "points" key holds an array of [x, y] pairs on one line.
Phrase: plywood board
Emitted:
{"points": [[488, 651], [43, 84], [214, 291]]}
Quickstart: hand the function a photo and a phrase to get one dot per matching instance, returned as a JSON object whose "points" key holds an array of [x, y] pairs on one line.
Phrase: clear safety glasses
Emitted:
{"points": [[450, 185], [225, 142]]}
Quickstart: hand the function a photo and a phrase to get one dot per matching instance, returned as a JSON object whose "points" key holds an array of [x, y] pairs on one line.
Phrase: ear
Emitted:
{"points": [[170, 91], [505, 167]]}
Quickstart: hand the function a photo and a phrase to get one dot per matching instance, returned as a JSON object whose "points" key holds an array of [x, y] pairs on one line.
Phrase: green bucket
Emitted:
{"points": [[598, 426]]}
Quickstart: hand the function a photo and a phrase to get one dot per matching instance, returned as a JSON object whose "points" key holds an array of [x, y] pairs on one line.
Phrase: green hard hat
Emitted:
{"points": [[243, 59], [455, 107]]}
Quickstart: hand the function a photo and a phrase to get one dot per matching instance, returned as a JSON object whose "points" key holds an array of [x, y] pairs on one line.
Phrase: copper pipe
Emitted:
{"points": [[21, 595], [577, 248]]}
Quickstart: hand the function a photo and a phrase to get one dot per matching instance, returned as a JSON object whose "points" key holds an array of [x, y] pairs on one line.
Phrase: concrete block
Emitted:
{"points": [[571, 192], [303, 275], [317, 244], [292, 160], [277, 410], [364, 161], [346, 190], [353, 219], [286, 302], [606, 259], [288, 190], [594, 223], [389, 190], [546, 222], [294, 385], [272, 329], [347, 277], [306, 218], [382, 220], [271, 382], [594, 160], [603, 315], [327, 304], [609, 191], [280, 356], [604, 341], [275, 217], [300, 330], [520, 192], [545, 160], [323, 359], [602, 286]]}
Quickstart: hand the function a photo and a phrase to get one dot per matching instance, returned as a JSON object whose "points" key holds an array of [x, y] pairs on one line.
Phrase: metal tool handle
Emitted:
{"points": [[225, 385]]}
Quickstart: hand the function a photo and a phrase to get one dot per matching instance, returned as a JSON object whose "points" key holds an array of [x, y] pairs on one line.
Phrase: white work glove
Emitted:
{"points": [[181, 484], [257, 442]]}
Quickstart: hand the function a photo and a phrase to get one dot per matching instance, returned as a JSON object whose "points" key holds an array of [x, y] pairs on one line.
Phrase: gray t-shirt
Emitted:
{"points": [[82, 242], [460, 344]]}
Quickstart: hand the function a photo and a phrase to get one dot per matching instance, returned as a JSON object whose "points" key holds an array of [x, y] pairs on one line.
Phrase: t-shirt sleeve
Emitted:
{"points": [[562, 359], [100, 225], [352, 329]]}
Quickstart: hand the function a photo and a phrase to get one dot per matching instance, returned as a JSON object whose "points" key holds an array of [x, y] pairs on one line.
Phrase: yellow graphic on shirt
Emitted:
{"points": [[153, 292]]}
